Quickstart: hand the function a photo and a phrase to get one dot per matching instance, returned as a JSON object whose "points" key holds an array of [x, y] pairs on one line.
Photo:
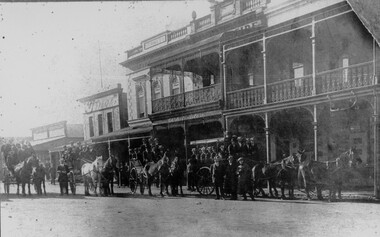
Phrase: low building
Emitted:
{"points": [[53, 135]]}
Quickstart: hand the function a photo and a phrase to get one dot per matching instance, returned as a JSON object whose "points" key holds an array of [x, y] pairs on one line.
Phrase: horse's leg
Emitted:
{"points": [[149, 180], [18, 188], [43, 183]]}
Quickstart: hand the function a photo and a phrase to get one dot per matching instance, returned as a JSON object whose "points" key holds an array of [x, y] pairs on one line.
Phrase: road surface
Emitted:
{"points": [[192, 215]]}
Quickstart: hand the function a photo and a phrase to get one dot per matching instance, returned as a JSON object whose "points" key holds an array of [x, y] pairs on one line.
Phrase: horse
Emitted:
{"points": [[39, 174], [92, 174], [108, 172], [161, 168], [265, 172], [177, 169], [327, 175], [23, 172], [287, 175]]}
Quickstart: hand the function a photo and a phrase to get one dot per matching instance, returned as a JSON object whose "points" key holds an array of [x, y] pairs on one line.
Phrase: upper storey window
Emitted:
{"points": [[175, 85]]}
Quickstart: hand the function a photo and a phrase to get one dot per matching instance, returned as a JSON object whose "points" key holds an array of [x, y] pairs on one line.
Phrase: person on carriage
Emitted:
{"points": [[63, 178], [217, 175], [192, 169], [244, 174]]}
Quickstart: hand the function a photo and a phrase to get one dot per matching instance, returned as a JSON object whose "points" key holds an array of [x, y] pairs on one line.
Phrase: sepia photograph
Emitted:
{"points": [[190, 118]]}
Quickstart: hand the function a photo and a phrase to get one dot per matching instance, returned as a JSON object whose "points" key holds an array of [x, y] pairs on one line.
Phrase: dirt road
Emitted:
{"points": [[136, 215]]}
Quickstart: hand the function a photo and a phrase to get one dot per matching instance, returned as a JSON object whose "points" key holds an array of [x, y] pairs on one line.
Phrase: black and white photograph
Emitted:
{"points": [[190, 118]]}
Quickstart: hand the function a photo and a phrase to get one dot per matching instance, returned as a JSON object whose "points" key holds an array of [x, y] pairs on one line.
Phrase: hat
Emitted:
{"points": [[240, 159], [234, 138]]}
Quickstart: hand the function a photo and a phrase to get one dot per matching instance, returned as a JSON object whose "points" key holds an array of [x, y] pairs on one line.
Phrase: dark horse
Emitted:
{"points": [[265, 172], [161, 168], [108, 172], [328, 175], [287, 175], [39, 174], [23, 173], [177, 169]]}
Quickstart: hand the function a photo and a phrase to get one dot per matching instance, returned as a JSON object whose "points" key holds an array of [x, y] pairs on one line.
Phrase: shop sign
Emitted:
{"points": [[249, 26], [101, 103], [155, 41], [192, 116]]}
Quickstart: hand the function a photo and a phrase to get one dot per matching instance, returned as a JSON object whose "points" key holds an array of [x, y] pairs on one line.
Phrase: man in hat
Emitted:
{"points": [[217, 174], [230, 179], [63, 178], [191, 169], [244, 179]]}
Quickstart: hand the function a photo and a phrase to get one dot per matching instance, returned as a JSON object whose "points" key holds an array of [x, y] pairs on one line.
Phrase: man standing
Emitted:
{"points": [[63, 178], [217, 174]]}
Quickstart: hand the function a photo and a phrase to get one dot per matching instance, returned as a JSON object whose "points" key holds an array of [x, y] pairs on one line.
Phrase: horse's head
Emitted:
{"points": [[98, 163]]}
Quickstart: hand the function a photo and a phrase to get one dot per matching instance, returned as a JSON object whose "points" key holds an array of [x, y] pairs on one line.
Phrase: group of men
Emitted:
{"points": [[16, 152], [230, 168]]}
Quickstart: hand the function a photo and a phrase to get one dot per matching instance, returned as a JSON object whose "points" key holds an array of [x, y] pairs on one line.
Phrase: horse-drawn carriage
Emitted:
{"points": [[136, 176]]}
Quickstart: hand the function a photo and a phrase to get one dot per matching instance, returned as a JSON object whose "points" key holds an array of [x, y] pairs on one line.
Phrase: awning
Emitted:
{"points": [[47, 144], [368, 12], [124, 133]]}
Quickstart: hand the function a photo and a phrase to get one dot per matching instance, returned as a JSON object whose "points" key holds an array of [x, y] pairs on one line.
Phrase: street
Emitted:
{"points": [[135, 215]]}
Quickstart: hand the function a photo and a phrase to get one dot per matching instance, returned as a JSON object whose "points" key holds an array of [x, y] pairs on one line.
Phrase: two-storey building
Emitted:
{"points": [[295, 74]]}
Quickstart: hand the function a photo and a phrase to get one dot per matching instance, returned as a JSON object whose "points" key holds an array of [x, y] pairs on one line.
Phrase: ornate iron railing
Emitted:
{"points": [[203, 95], [168, 103], [245, 98], [345, 78], [190, 98], [290, 89]]}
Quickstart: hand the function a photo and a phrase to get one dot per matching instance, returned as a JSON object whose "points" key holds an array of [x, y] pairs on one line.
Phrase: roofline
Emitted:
{"points": [[64, 122], [102, 94]]}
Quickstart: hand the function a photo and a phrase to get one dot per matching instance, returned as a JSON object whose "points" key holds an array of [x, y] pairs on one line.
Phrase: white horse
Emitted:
{"points": [[92, 174]]}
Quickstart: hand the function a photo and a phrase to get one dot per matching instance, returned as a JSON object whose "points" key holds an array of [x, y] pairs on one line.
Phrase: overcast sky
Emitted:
{"points": [[49, 53]]}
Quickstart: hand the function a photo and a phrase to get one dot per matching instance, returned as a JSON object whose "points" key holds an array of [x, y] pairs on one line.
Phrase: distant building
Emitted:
{"points": [[53, 135], [105, 119]]}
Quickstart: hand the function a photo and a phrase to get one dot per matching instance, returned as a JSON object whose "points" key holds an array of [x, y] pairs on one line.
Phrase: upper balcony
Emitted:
{"points": [[206, 95], [327, 82], [220, 13]]}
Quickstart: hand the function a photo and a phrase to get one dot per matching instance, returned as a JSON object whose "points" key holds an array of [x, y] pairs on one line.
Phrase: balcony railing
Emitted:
{"points": [[190, 98], [245, 98], [329, 81], [203, 95], [290, 89], [168, 103], [251, 4], [202, 22], [178, 33], [345, 78]]}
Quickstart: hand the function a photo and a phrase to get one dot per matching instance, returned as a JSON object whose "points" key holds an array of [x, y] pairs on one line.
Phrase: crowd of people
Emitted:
{"points": [[229, 161]]}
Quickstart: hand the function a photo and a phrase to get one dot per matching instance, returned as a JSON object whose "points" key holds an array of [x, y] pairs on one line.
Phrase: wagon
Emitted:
{"points": [[136, 176], [204, 180]]}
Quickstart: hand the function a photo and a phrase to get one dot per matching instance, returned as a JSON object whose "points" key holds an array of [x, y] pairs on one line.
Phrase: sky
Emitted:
{"points": [[53, 53]]}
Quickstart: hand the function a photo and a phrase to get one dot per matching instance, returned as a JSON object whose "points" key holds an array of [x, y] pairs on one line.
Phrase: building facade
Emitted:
{"points": [[104, 112], [294, 74]]}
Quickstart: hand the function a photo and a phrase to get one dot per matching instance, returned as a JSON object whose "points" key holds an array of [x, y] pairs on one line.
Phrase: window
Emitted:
{"points": [[100, 124], [156, 90], [91, 125], [140, 102], [298, 71], [345, 65], [109, 122], [175, 85]]}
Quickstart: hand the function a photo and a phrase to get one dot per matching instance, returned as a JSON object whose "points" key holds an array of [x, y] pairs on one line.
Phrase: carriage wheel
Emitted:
{"points": [[142, 183], [133, 179], [204, 181]]}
